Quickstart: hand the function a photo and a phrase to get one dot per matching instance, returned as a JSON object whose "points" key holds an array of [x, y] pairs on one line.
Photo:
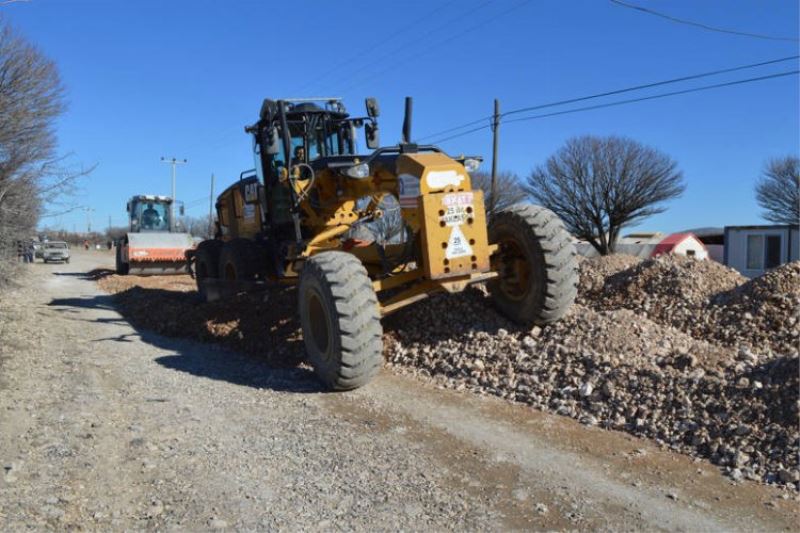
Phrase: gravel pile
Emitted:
{"points": [[763, 313], [631, 357], [706, 300], [594, 271]]}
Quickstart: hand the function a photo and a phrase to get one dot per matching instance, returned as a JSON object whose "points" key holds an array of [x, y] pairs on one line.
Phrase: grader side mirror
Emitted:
{"points": [[373, 135], [373, 110], [273, 142]]}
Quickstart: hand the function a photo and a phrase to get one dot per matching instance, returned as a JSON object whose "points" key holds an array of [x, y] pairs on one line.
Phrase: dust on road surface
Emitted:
{"points": [[106, 427]]}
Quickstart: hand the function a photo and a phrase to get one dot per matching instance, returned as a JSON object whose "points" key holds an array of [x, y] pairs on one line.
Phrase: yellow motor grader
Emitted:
{"points": [[363, 235]]}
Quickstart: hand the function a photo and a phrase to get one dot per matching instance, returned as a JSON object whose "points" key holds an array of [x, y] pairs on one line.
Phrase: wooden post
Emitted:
{"points": [[496, 135], [211, 208]]}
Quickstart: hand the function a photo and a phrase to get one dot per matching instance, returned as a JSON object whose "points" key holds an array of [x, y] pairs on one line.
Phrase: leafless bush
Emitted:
{"points": [[196, 226], [509, 190], [599, 185], [778, 190]]}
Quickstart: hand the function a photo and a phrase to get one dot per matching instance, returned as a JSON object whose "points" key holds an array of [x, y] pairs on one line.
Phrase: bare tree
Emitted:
{"points": [[115, 233], [509, 190], [30, 101], [31, 174], [599, 185], [196, 226], [778, 190]]}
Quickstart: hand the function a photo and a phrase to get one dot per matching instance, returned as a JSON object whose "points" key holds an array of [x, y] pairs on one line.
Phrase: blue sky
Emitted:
{"points": [[147, 79]]}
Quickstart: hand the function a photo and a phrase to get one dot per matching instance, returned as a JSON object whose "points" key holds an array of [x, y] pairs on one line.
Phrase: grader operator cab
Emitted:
{"points": [[152, 245], [310, 214]]}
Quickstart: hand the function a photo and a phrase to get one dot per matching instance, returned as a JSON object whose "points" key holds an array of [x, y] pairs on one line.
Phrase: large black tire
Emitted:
{"points": [[237, 261], [122, 267], [206, 263], [340, 319], [536, 262]]}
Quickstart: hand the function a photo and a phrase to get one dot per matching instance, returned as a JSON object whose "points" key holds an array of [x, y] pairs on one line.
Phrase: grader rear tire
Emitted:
{"points": [[538, 270], [340, 320], [236, 261], [206, 263]]}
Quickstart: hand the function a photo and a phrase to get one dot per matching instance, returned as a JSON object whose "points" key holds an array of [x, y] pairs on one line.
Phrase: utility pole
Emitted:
{"points": [[109, 225], [174, 162], [496, 135], [211, 209], [88, 220]]}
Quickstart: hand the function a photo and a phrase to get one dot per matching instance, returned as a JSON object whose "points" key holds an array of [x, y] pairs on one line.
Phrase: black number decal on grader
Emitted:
{"points": [[365, 235]]}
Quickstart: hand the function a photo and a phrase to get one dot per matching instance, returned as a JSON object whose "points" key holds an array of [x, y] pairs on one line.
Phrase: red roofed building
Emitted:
{"points": [[645, 245], [681, 244]]}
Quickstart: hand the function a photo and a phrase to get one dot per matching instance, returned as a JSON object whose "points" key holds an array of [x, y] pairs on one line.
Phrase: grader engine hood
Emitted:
{"points": [[450, 215]]}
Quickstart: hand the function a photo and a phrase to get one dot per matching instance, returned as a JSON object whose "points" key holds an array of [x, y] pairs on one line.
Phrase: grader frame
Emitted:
{"points": [[295, 221]]}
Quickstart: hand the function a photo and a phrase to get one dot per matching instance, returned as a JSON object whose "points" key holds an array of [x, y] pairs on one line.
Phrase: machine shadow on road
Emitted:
{"points": [[224, 354], [92, 275], [251, 339]]}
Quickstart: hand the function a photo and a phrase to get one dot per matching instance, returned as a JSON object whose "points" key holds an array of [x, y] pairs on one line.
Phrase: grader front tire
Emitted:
{"points": [[536, 263], [340, 320]]}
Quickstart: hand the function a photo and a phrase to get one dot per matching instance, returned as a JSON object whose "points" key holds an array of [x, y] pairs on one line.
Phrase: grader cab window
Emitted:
{"points": [[320, 135], [329, 141]]}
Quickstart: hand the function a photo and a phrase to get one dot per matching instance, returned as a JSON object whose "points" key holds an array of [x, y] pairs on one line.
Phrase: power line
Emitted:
{"points": [[662, 95], [630, 101], [655, 84], [403, 47], [611, 93], [196, 201], [435, 45], [375, 45], [701, 25], [224, 139]]}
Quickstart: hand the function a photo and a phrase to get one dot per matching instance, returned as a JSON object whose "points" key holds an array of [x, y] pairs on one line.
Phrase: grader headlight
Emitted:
{"points": [[471, 165], [358, 172]]}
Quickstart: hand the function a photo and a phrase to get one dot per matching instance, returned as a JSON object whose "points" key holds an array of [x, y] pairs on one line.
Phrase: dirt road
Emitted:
{"points": [[106, 427]]}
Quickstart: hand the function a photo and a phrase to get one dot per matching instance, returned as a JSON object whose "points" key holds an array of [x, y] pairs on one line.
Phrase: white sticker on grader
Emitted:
{"points": [[455, 216], [458, 199], [439, 179], [457, 245], [457, 208]]}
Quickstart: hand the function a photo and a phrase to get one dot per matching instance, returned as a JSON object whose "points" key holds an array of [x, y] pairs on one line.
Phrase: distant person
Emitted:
{"points": [[86, 245], [151, 219], [299, 158], [299, 155], [30, 252], [109, 244]]}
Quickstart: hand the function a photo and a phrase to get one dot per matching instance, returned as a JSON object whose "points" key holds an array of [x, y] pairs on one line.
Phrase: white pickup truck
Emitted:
{"points": [[55, 251]]}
